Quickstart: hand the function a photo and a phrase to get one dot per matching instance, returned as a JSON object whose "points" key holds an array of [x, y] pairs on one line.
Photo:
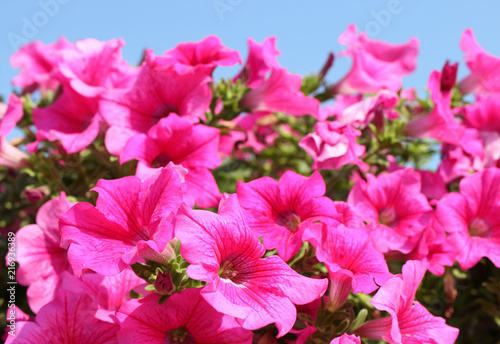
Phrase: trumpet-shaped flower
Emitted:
{"points": [[281, 211], [409, 321], [184, 318], [471, 218], [394, 207], [375, 64], [175, 139], [131, 219], [224, 252]]}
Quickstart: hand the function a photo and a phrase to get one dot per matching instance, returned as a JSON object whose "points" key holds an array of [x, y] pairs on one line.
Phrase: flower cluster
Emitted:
{"points": [[155, 204]]}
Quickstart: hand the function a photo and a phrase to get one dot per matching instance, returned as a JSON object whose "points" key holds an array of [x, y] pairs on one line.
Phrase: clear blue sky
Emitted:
{"points": [[306, 31]]}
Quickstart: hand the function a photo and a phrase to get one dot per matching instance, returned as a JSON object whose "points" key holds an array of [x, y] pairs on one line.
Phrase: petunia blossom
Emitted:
{"points": [[92, 67], [205, 55], [184, 318], [38, 61], [409, 322], [224, 252], [41, 258], [280, 93], [470, 217], [346, 339], [131, 219], [375, 64], [157, 92], [262, 58], [333, 145], [394, 208], [440, 123], [351, 260], [281, 211], [175, 139], [10, 115], [69, 318], [484, 68]]}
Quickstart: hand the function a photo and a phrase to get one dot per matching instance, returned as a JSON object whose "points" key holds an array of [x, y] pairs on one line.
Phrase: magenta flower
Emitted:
{"points": [[85, 72], [281, 211], [157, 92], [333, 145], [409, 322], [204, 55], [346, 339], [470, 217], [109, 292], [262, 58], [394, 208], [484, 67], [41, 258], [184, 318], [434, 248], [93, 67], [72, 119], [342, 102], [175, 139], [224, 252], [375, 64], [351, 260], [131, 219], [69, 318], [372, 109], [280, 93], [441, 124], [11, 156], [37, 62]]}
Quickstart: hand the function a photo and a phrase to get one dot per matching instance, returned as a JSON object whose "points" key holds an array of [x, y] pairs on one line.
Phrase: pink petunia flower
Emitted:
{"points": [[280, 93], [371, 109], [409, 321], [69, 318], [346, 339], [281, 211], [224, 252], [470, 217], [262, 58], [41, 258], [175, 139], [484, 67], [10, 115], [351, 260], [204, 55], [342, 102], [85, 72], [131, 219], [184, 318], [157, 92], [375, 64], [38, 62], [72, 119], [441, 124], [394, 208], [92, 67], [333, 145]]}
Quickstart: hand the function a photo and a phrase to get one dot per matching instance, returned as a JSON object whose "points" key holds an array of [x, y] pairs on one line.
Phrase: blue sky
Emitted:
{"points": [[306, 31]]}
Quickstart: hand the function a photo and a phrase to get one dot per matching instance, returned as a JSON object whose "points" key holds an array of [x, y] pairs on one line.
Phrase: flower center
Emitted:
{"points": [[163, 111], [226, 270], [161, 161], [180, 335], [388, 217], [479, 228], [288, 219]]}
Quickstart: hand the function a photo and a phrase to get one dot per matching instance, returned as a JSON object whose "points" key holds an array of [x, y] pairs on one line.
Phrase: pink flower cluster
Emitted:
{"points": [[226, 274]]}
